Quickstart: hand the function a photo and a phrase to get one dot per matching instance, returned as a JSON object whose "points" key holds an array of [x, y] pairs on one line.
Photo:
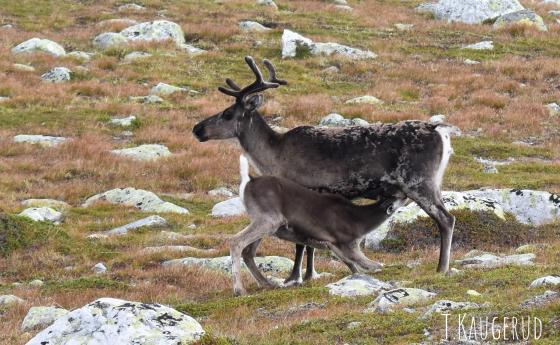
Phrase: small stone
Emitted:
{"points": [[42, 214], [36, 283], [473, 293], [353, 325], [8, 300], [540, 300], [331, 70], [221, 191], [365, 100], [99, 268], [357, 285], [123, 121], [343, 8], [522, 17], [268, 3], [414, 263], [108, 40], [490, 169], [446, 306], [118, 21], [229, 208], [529, 248], [148, 222], [39, 45], [131, 7], [553, 109], [334, 120], [403, 297], [291, 41], [191, 50], [57, 75], [157, 30], [484, 45], [471, 62], [266, 264], [404, 27], [141, 199], [151, 99], [470, 11], [492, 261], [552, 280], [84, 56], [56, 204], [163, 89], [439, 118], [340, 2], [359, 122], [23, 68], [147, 152], [248, 25], [136, 55], [41, 317]]}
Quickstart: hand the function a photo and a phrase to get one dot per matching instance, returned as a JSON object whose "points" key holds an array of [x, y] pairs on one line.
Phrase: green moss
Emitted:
{"points": [[21, 233]]}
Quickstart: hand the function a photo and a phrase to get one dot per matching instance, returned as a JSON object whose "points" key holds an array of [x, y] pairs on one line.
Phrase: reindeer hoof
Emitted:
{"points": [[239, 292], [293, 281], [311, 276]]}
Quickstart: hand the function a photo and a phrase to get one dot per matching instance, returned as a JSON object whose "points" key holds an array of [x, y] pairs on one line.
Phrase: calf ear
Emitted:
{"points": [[254, 102]]}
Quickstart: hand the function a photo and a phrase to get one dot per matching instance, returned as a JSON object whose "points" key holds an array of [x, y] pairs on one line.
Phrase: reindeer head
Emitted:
{"points": [[227, 123]]}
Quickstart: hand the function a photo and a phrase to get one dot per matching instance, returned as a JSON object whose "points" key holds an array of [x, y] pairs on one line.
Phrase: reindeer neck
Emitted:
{"points": [[257, 140], [371, 217]]}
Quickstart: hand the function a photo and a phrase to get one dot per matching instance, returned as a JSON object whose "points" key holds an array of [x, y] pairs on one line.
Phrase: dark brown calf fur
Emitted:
{"points": [[278, 206]]}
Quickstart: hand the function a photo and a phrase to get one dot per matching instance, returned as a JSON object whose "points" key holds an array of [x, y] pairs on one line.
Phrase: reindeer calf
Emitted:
{"points": [[278, 206]]}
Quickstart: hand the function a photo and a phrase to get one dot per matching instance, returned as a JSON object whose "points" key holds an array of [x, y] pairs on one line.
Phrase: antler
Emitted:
{"points": [[258, 85]]}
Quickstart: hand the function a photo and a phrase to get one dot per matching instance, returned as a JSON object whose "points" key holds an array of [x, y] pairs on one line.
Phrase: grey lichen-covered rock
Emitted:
{"points": [[8, 300], [141, 199], [545, 281], [57, 75], [540, 300], [451, 200], [108, 40], [471, 62], [147, 152], [345, 8], [34, 45], [164, 89], [266, 264], [291, 41], [523, 17], [404, 297], [248, 25], [470, 11], [483, 45], [23, 68], [404, 27], [150, 99], [357, 285], [43, 140], [99, 268], [42, 214], [268, 3], [119, 322], [41, 317], [221, 191], [191, 50], [158, 30], [148, 222], [553, 109], [136, 55], [56, 204], [438, 118], [444, 306], [367, 99], [159, 249], [489, 260], [80, 55], [131, 7], [36, 283], [123, 121], [229, 208], [117, 21], [528, 206], [337, 120]]}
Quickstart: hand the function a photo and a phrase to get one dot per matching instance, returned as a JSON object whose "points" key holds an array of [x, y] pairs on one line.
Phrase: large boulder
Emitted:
{"points": [[42, 214], [141, 199], [545, 281], [267, 264], [148, 222], [358, 285], [411, 212], [56, 204], [147, 152], [291, 41], [229, 208], [119, 322], [9, 300], [471, 11], [158, 30], [41, 317], [39, 45], [489, 260], [57, 75], [523, 17], [108, 40]]}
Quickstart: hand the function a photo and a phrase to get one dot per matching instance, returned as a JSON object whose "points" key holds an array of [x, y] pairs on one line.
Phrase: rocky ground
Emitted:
{"points": [[114, 219]]}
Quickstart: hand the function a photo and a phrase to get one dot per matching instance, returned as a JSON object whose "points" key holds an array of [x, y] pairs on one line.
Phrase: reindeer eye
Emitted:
{"points": [[227, 115]]}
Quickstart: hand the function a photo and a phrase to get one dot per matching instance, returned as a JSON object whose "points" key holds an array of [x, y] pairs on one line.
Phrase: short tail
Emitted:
{"points": [[445, 132], [244, 172]]}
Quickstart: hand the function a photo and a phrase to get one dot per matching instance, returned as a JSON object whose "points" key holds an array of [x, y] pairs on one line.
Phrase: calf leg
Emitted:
{"points": [[428, 197], [255, 231], [342, 256], [249, 254], [295, 276], [352, 251]]}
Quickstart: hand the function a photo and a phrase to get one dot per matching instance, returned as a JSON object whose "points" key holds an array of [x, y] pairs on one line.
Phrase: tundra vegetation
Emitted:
{"points": [[501, 100]]}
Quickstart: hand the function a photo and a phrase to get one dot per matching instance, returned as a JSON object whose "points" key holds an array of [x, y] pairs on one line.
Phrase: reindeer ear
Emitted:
{"points": [[254, 102]]}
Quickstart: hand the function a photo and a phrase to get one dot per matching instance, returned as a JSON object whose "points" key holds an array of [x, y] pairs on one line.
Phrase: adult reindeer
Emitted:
{"points": [[408, 157]]}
